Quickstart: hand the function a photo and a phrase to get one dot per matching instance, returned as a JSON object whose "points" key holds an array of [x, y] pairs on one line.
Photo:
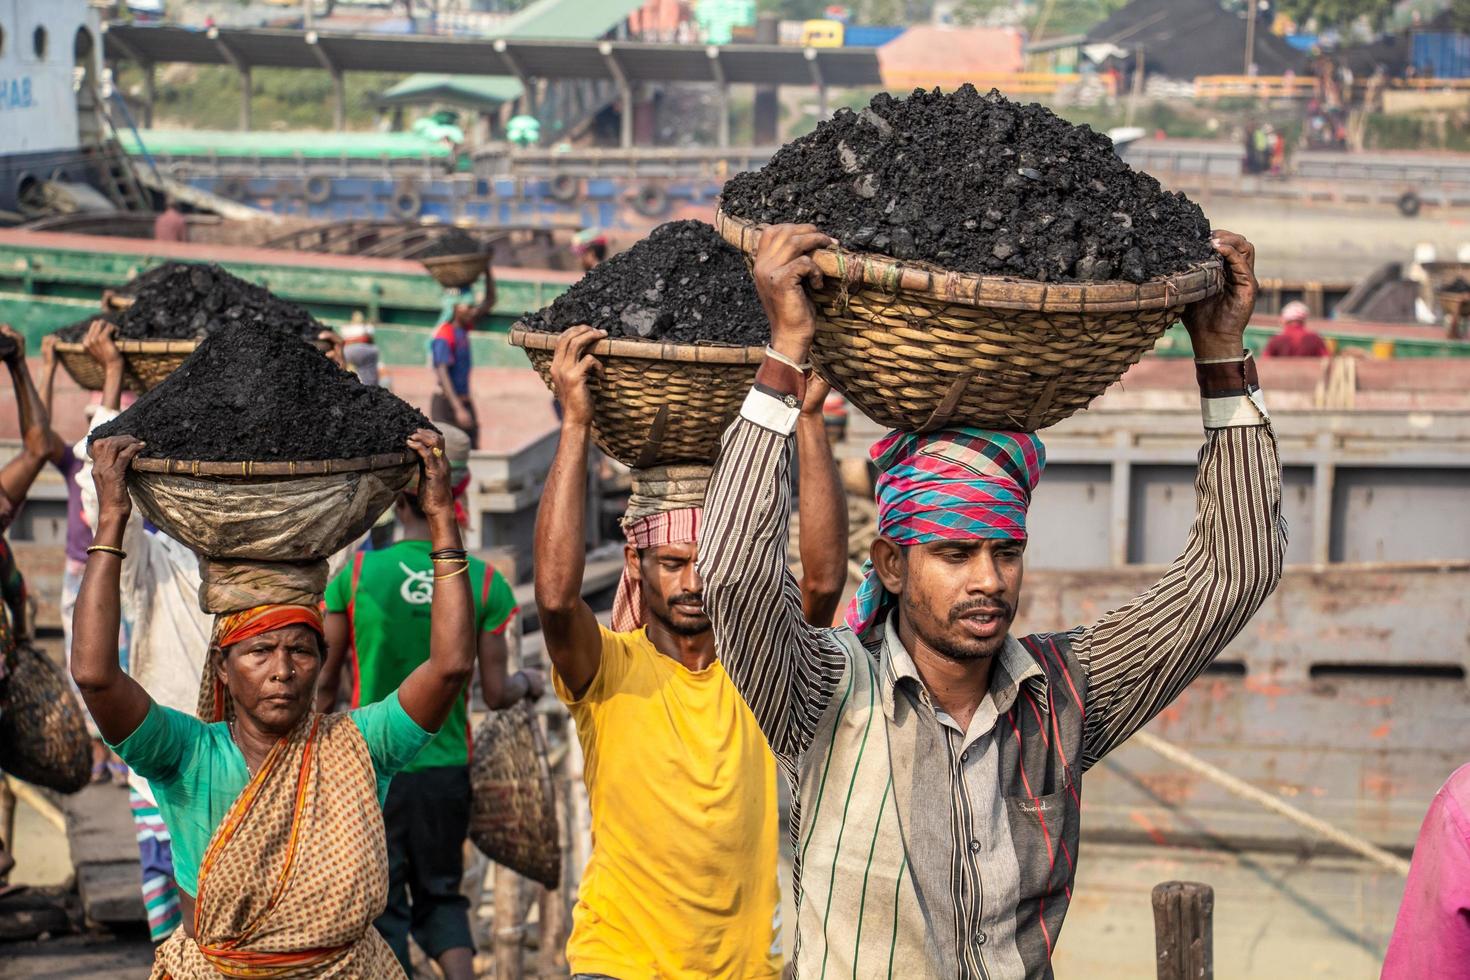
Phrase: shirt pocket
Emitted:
{"points": [[1044, 834]]}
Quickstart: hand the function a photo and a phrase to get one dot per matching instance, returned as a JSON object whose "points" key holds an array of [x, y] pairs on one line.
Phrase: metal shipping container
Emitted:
{"points": [[1441, 54]]}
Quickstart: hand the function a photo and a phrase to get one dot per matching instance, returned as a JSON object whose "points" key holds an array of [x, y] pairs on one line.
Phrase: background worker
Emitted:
{"points": [[1431, 937], [170, 225], [70, 462], [1295, 339], [16, 478], [590, 248], [378, 618], [453, 361], [682, 878], [168, 636]]}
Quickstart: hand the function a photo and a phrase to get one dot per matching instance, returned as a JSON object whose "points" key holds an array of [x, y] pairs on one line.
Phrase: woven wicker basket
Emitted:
{"points": [[456, 271], [513, 804], [657, 403], [43, 736], [918, 348], [145, 362]]}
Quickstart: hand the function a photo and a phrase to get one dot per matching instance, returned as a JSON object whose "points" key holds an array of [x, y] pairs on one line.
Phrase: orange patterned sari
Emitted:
{"points": [[296, 872]]}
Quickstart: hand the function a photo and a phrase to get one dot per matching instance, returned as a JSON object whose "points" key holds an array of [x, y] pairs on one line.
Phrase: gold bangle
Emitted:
{"points": [[462, 561], [458, 571], [107, 549]]}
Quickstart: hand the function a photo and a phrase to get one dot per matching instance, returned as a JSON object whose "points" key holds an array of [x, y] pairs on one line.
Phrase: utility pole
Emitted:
{"points": [[1250, 34]]}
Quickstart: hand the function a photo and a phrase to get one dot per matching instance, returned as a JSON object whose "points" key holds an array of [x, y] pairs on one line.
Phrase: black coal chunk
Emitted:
{"points": [[683, 284], [976, 183], [265, 395], [454, 241], [190, 300]]}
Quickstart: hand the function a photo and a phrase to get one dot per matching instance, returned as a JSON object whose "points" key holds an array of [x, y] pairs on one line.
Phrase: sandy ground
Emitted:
{"points": [[1333, 244]]}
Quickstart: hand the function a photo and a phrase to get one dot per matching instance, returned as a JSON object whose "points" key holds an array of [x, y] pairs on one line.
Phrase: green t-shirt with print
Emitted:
{"points": [[386, 596]]}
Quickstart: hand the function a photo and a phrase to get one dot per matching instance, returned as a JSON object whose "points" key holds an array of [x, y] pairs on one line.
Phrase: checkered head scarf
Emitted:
{"points": [[952, 485], [666, 507]]}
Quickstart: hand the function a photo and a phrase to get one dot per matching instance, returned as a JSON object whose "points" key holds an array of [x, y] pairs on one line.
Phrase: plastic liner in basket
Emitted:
{"points": [[513, 805], [266, 517], [43, 735]]}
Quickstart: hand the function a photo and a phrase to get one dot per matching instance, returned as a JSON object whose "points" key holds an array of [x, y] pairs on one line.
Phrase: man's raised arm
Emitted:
{"points": [[822, 511], [785, 668], [568, 624], [1141, 657]]}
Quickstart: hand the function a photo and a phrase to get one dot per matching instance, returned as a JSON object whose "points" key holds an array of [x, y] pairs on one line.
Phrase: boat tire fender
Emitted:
{"points": [[317, 189], [233, 188], [651, 201], [407, 203], [564, 188]]}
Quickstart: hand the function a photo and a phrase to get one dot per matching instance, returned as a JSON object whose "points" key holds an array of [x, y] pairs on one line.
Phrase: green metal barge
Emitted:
{"points": [[49, 280]]}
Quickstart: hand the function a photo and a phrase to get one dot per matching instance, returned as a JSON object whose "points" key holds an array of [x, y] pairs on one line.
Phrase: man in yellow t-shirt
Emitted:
{"points": [[682, 878]]}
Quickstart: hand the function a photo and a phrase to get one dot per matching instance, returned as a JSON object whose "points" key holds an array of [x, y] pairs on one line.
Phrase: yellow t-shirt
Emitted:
{"points": [[682, 787]]}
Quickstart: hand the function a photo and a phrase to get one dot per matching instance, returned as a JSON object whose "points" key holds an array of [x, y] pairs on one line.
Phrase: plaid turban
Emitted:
{"points": [[951, 485], [652, 531]]}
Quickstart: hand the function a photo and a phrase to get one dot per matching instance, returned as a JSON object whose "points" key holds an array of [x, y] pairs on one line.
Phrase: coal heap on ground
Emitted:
{"points": [[265, 395], [188, 301], [452, 242], [682, 284], [976, 183]]}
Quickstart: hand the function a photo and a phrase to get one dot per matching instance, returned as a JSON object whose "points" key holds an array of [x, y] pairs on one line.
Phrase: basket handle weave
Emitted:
{"points": [[655, 441], [945, 410]]}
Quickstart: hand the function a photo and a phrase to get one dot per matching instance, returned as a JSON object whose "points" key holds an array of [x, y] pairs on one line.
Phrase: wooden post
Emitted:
{"points": [[508, 925], [1183, 930]]}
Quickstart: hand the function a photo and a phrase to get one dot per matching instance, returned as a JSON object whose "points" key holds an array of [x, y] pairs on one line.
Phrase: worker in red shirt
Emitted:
{"points": [[1295, 340], [170, 225]]}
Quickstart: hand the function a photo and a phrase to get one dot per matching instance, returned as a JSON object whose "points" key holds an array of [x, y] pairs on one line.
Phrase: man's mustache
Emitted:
{"points": [[992, 607], [686, 598]]}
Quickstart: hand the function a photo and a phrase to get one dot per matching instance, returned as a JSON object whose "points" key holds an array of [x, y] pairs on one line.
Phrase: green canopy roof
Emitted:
{"points": [[481, 92], [234, 143], [566, 20]]}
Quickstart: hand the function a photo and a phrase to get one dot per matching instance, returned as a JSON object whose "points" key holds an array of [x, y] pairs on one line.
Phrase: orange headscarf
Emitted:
{"points": [[232, 628]]}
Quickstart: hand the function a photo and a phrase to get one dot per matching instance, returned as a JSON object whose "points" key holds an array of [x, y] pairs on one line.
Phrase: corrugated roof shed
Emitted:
{"points": [[576, 20]]}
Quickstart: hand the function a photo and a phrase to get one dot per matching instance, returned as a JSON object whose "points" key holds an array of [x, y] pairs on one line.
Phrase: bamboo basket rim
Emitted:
{"points": [[648, 350], [135, 346], [435, 261], [253, 468], [929, 281]]}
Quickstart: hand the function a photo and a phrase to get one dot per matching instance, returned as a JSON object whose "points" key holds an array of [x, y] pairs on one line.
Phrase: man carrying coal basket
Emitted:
{"points": [[937, 759]]}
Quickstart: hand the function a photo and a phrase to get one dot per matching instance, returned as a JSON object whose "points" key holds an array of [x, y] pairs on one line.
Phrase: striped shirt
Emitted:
{"points": [[922, 850]]}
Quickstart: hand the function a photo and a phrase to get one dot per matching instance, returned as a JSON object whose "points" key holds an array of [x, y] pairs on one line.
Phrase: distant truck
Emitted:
{"points": [[836, 34]]}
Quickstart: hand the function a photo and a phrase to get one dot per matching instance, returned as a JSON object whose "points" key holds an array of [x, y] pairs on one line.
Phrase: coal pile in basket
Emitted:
{"points": [[979, 184], [267, 396], [189, 301], [455, 241], [683, 284]]}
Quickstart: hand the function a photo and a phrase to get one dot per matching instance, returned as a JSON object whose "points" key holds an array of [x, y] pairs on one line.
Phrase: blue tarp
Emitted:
{"points": [[1442, 55]]}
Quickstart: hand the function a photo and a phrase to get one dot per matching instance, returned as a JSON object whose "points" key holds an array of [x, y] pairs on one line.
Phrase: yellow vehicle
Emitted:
{"points": [[821, 34]]}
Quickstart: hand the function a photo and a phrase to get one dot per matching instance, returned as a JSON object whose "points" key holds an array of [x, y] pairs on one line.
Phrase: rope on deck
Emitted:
{"points": [[1244, 790]]}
